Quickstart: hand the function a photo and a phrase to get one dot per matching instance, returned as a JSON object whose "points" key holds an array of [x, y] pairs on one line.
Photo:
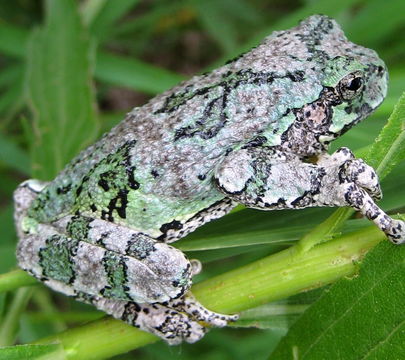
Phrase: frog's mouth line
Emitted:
{"points": [[365, 111]]}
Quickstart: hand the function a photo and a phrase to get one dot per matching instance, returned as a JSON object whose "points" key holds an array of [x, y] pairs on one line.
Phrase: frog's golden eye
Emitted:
{"points": [[351, 85]]}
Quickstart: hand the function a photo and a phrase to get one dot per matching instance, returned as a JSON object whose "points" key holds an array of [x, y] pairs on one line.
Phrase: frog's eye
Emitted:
{"points": [[351, 85]]}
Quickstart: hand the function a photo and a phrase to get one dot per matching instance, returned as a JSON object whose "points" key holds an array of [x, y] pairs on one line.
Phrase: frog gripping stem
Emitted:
{"points": [[175, 321], [256, 178], [359, 186]]}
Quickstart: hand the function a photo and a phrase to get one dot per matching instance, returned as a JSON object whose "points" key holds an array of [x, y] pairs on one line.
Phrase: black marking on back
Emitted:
{"points": [[130, 313], [173, 225]]}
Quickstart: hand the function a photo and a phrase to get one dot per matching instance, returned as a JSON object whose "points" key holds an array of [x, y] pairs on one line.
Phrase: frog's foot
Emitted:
{"points": [[363, 175], [189, 305], [174, 321], [354, 170], [359, 187], [360, 200]]}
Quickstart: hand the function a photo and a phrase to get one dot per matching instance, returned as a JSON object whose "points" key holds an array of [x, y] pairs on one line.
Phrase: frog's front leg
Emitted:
{"points": [[267, 179]]}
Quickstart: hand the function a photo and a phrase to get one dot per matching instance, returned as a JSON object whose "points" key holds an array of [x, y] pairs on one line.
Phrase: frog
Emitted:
{"points": [[254, 132]]}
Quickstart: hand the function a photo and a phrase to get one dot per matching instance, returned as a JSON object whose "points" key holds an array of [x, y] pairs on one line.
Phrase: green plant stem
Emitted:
{"points": [[286, 273], [100, 339], [43, 301], [274, 277], [9, 324], [325, 230], [15, 279]]}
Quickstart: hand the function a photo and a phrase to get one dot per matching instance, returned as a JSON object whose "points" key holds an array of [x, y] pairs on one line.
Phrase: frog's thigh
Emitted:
{"points": [[135, 267], [266, 179]]}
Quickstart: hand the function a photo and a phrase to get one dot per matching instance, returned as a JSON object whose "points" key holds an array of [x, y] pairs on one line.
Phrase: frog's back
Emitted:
{"points": [[161, 158]]}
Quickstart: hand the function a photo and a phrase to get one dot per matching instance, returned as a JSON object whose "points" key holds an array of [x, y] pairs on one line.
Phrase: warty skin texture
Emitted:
{"points": [[173, 144], [242, 133]]}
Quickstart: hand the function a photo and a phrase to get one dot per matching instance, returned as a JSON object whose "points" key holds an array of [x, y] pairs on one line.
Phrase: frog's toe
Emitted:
{"points": [[212, 318], [363, 175], [175, 328], [220, 320], [196, 266], [198, 312], [396, 232]]}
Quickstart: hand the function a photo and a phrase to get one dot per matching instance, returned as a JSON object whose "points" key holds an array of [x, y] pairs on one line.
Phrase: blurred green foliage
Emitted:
{"points": [[63, 85]]}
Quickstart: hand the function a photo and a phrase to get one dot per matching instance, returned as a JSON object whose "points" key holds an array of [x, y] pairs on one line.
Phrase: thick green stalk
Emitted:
{"points": [[286, 273], [274, 277], [100, 339]]}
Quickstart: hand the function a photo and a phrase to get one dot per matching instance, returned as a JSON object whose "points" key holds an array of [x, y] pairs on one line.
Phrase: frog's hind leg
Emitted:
{"points": [[174, 321], [125, 273], [267, 179], [24, 195], [179, 318]]}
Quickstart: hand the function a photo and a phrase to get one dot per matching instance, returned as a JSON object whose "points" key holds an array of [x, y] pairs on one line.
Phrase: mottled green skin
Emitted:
{"points": [[156, 167], [56, 259]]}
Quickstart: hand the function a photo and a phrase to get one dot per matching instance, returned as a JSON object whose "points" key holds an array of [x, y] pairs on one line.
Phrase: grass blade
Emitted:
{"points": [[13, 156], [101, 25], [389, 148], [134, 74], [60, 91]]}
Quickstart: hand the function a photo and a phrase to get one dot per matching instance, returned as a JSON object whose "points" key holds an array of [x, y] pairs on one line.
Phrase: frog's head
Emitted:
{"points": [[353, 78], [358, 85], [328, 82]]}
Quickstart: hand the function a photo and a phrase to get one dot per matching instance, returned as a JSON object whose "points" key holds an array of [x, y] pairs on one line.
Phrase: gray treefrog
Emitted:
{"points": [[253, 132]]}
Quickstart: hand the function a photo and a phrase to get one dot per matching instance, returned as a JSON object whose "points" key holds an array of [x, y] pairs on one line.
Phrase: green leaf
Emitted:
{"points": [[10, 74], [394, 189], [283, 235], [112, 69], [375, 14], [13, 156], [216, 24], [134, 74], [359, 318], [8, 260], [12, 39], [12, 99], [101, 24], [147, 21], [30, 352], [60, 91], [15, 279], [8, 234], [90, 9], [389, 148]]}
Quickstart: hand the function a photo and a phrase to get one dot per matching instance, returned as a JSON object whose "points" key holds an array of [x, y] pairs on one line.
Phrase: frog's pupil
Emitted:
{"points": [[355, 84]]}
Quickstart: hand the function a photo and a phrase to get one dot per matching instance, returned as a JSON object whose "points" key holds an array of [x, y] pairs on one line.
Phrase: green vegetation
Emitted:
{"points": [[69, 70]]}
